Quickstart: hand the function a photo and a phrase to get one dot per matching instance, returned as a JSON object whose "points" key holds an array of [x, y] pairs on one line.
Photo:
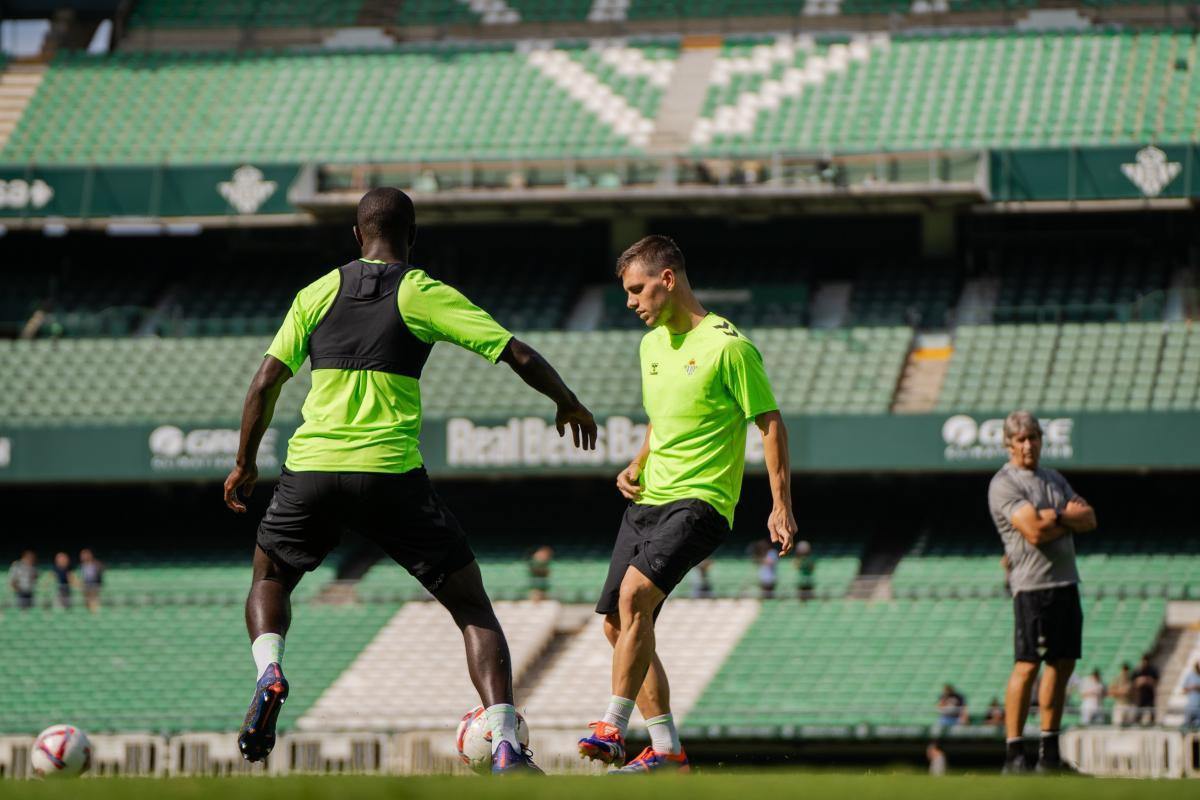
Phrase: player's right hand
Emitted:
{"points": [[627, 481], [241, 477], [583, 426]]}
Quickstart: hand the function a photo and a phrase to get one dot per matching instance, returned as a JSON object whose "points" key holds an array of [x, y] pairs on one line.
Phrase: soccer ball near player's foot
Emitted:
{"points": [[61, 751], [475, 739]]}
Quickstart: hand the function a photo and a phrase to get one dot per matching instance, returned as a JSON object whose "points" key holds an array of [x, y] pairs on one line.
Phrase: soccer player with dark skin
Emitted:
{"points": [[367, 328], [702, 383], [1037, 513]]}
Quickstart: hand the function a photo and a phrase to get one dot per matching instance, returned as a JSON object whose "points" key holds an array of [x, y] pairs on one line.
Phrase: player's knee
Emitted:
{"points": [[1025, 670], [637, 598], [612, 628]]}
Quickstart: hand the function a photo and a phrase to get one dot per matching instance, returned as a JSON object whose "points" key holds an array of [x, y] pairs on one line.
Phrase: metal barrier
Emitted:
{"points": [[14, 756], [1126, 753]]}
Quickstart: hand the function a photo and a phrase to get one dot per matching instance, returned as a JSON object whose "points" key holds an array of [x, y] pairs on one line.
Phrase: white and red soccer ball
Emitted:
{"points": [[474, 738], [61, 751]]}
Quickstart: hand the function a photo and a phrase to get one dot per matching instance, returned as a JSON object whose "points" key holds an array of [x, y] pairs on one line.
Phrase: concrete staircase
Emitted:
{"points": [[684, 98], [18, 83], [923, 376]]}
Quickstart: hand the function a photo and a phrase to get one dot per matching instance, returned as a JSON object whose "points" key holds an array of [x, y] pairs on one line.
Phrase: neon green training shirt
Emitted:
{"points": [[368, 421], [700, 389]]}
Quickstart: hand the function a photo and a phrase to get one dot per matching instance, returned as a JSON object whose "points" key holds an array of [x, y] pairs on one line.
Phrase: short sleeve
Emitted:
{"points": [[1067, 490], [1005, 497], [291, 340], [745, 377], [436, 312]]}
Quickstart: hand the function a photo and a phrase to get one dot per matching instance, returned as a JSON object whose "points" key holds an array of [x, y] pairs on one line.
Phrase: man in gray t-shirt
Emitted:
{"points": [[1037, 514], [22, 578]]}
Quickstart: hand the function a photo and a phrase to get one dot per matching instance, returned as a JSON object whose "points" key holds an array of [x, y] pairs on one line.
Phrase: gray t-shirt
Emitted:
{"points": [[1032, 566], [22, 576]]}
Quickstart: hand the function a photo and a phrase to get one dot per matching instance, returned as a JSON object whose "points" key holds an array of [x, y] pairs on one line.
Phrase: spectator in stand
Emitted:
{"points": [[806, 565], [1121, 692], [539, 572], [22, 578], [937, 758], [91, 574], [702, 587], [1091, 694], [64, 579], [1191, 691], [995, 713], [1145, 686], [767, 559], [952, 707]]}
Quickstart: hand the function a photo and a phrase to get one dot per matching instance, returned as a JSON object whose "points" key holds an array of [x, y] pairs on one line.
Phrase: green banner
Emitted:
{"points": [[154, 191], [1133, 172], [531, 446]]}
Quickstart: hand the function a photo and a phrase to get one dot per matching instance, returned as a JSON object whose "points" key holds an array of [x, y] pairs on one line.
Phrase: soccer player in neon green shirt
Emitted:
{"points": [[702, 382], [367, 329]]}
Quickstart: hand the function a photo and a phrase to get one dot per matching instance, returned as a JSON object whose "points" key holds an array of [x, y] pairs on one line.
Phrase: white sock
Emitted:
{"points": [[619, 709], [267, 649], [663, 736], [502, 721]]}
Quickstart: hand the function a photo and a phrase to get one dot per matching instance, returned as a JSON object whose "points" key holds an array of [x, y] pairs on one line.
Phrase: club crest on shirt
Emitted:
{"points": [[690, 368]]}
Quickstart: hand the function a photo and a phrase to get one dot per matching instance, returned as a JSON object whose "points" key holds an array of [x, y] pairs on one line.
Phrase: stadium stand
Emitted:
{"points": [[477, 101], [578, 572], [884, 673], [962, 90], [502, 101], [421, 639], [121, 649], [1076, 366], [562, 699], [1098, 287], [203, 379], [134, 578], [244, 13]]}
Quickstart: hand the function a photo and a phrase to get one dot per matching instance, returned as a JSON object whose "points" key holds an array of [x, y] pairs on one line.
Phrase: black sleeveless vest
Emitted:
{"points": [[363, 329]]}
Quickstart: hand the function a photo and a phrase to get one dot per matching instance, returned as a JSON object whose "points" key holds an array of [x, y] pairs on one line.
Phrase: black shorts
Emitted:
{"points": [[1049, 624], [664, 543], [399, 512]]}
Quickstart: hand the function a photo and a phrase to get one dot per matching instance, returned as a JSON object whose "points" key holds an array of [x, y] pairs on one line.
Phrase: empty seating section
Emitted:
{"points": [[551, 10], [844, 371], [243, 13], [130, 655], [419, 656], [957, 564], [477, 102], [668, 9], [439, 12], [139, 578], [1095, 287], [885, 663], [639, 73], [962, 90], [894, 295], [1091, 366]]}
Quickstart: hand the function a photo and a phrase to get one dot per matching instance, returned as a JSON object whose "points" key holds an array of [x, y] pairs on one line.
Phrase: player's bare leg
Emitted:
{"points": [[1052, 696], [654, 699], [1016, 710], [488, 663], [268, 616], [634, 650]]}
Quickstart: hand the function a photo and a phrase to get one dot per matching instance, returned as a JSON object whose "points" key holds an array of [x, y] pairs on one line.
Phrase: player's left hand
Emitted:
{"points": [[583, 426], [243, 477], [782, 525]]}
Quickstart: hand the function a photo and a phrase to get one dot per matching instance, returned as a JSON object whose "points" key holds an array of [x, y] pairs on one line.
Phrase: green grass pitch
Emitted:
{"points": [[773, 785]]}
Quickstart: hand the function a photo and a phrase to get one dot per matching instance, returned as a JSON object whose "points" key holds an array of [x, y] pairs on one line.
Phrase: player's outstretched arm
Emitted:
{"points": [[256, 418], [537, 372], [782, 522], [1079, 515]]}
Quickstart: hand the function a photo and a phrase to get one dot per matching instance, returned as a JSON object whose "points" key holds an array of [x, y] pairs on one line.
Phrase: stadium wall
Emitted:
{"points": [[464, 447]]}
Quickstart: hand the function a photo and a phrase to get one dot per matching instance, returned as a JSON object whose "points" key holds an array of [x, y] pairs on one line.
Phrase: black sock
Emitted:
{"points": [[1048, 748], [1015, 748]]}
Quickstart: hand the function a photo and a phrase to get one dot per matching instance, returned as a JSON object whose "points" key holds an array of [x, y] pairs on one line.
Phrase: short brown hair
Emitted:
{"points": [[655, 252]]}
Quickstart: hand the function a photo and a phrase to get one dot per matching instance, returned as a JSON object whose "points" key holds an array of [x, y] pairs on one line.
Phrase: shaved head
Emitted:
{"points": [[387, 214]]}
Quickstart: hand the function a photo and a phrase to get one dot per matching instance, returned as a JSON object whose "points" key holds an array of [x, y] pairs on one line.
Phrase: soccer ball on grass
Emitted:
{"points": [[474, 739]]}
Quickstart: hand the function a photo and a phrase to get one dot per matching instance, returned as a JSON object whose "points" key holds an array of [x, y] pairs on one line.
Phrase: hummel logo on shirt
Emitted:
{"points": [[725, 329]]}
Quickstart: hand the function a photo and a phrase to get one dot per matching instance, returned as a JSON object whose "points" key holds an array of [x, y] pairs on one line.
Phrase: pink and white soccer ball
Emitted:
{"points": [[474, 738], [61, 751]]}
